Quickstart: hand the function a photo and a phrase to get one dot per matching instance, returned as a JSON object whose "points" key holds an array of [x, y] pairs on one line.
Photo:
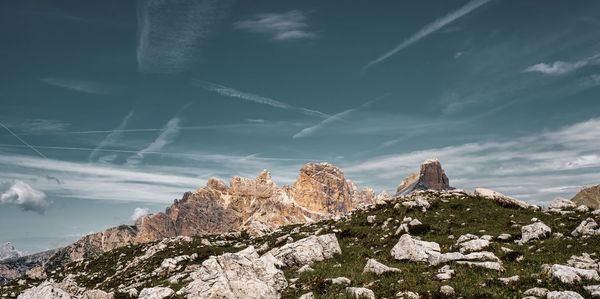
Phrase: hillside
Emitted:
{"points": [[489, 247]]}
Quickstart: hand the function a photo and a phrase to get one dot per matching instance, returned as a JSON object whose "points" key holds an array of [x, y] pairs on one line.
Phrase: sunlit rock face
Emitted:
{"points": [[431, 177]]}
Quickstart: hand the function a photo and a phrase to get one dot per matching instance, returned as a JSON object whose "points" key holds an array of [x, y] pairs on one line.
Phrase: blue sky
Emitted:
{"points": [[109, 106]]}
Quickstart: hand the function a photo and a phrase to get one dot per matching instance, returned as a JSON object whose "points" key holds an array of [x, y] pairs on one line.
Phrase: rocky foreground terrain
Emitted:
{"points": [[431, 242]]}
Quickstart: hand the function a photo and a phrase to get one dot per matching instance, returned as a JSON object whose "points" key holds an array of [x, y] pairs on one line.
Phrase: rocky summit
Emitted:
{"points": [[270, 242], [589, 197], [431, 177]]}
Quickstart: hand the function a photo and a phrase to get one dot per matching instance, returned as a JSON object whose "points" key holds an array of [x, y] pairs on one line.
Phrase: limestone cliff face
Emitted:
{"points": [[431, 177], [321, 190]]}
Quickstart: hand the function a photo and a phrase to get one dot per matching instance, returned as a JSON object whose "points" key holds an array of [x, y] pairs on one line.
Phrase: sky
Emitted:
{"points": [[112, 109]]}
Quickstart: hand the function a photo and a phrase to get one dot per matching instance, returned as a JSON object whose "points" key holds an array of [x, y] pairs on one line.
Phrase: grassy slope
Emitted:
{"points": [[360, 240]]}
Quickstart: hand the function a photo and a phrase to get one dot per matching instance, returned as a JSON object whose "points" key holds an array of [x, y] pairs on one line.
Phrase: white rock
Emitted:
{"points": [[376, 267], [360, 293], [536, 231], [447, 290], [305, 268], [537, 292], [473, 245], [567, 274], [500, 198], [585, 261], [307, 250], [155, 293], [339, 280], [415, 222], [508, 280], [308, 295], [45, 290], [445, 273], [441, 258], [504, 237], [371, 219], [236, 275], [488, 265], [563, 295], [582, 209], [464, 238], [561, 203], [407, 295], [586, 227], [409, 248]]}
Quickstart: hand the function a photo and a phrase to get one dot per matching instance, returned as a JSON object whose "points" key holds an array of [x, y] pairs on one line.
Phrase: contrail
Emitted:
{"points": [[428, 29], [111, 137], [23, 141]]}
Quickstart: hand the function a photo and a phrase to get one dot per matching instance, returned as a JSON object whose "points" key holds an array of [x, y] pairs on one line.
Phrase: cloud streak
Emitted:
{"points": [[291, 25], [168, 135], [171, 32], [233, 93], [24, 196], [84, 86], [334, 118], [562, 67], [23, 141], [428, 29], [111, 138]]}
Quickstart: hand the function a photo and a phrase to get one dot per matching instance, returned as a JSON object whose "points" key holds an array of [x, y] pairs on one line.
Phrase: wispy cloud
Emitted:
{"points": [[526, 166], [84, 86], [428, 29], [39, 126], [170, 32], [111, 138], [24, 196], [233, 93], [562, 67], [168, 134], [291, 25], [334, 118], [139, 212]]}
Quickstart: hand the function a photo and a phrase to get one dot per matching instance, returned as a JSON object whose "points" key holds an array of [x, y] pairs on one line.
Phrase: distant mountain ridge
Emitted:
{"points": [[7, 251]]}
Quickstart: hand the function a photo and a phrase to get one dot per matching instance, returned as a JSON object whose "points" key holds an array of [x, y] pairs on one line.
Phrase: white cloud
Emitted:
{"points": [[170, 33], [168, 134], [562, 67], [111, 138], [139, 212], [84, 86], [39, 126], [429, 29], [23, 195], [233, 93], [286, 26], [528, 166]]}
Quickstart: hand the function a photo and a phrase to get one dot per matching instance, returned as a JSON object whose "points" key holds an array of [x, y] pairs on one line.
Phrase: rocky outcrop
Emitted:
{"points": [[15, 267], [410, 248], [588, 196], [376, 267], [45, 290], [535, 231], [561, 203], [307, 251], [431, 177], [236, 275]]}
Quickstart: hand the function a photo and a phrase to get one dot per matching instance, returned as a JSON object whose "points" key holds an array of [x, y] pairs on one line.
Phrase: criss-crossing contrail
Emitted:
{"points": [[23, 141], [428, 29]]}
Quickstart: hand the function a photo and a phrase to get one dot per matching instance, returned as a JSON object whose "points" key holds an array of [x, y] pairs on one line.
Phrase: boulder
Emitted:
{"points": [[473, 245], [536, 231], [570, 275], [407, 295], [236, 275], [156, 293], [586, 227], [537, 292], [409, 248], [585, 261], [563, 295], [46, 289], [307, 250], [447, 290], [376, 267], [360, 293], [500, 198], [445, 273], [339, 280], [308, 295], [561, 203], [594, 290]]}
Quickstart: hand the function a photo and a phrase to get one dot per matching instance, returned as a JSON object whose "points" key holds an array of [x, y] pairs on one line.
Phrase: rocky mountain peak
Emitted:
{"points": [[431, 177], [588, 196], [217, 184], [8, 250], [264, 177]]}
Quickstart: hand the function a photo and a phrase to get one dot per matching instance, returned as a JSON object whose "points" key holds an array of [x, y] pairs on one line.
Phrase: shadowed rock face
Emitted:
{"points": [[431, 177], [589, 197], [320, 190]]}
